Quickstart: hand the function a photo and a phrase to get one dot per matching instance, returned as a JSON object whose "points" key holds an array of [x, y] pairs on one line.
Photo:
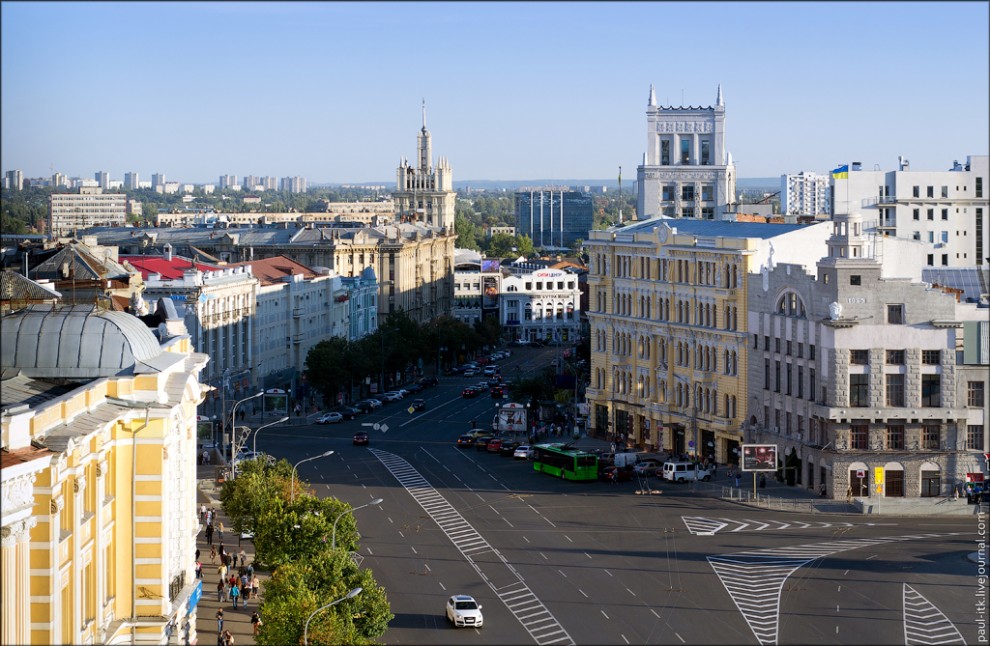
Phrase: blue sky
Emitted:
{"points": [[332, 91]]}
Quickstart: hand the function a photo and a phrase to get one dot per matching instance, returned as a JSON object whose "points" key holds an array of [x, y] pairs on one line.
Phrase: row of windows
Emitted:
{"points": [[676, 270], [791, 381], [705, 400], [788, 346], [895, 357], [895, 392]]}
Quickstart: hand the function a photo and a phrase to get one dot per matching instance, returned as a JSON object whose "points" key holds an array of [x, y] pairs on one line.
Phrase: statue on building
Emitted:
{"points": [[834, 311]]}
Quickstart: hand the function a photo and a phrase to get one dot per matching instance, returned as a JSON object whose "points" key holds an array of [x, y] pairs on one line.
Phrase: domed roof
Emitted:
{"points": [[78, 342], [368, 273]]}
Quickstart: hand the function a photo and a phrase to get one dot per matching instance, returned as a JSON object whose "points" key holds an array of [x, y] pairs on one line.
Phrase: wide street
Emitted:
{"points": [[553, 561]]}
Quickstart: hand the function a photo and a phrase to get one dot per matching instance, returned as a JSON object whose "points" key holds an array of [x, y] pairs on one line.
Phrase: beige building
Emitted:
{"points": [[667, 313], [425, 192], [98, 478], [90, 207], [366, 213]]}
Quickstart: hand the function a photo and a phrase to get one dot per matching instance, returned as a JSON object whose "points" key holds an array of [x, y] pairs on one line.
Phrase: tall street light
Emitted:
{"points": [[254, 440], [350, 595], [333, 543], [296, 465], [233, 416]]}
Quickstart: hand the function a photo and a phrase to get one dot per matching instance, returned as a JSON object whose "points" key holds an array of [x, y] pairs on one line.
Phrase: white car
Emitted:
{"points": [[392, 396], [470, 372], [375, 403], [402, 392], [464, 612], [523, 452], [329, 418]]}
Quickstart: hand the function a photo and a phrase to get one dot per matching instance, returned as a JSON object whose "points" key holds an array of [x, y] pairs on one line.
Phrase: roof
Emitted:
{"points": [[712, 228], [272, 270], [76, 260], [168, 269], [10, 458], [13, 287], [973, 282], [78, 342]]}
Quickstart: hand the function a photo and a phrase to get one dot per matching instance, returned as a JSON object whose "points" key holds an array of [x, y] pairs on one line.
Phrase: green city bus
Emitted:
{"points": [[564, 462]]}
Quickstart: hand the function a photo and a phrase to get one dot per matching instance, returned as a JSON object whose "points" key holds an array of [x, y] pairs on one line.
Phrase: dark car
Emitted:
{"points": [[616, 474], [465, 441], [364, 406], [418, 404], [508, 448], [414, 388], [481, 443], [497, 392], [428, 381], [349, 412], [361, 437], [469, 392]]}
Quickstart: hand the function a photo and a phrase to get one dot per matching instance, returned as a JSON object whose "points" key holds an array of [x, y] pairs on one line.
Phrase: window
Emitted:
{"points": [[859, 357], [931, 391], [895, 314], [974, 437], [979, 187], [687, 192], [811, 352], [800, 382], [945, 214], [930, 437], [766, 374], [800, 350], [665, 153], [685, 151], [974, 394], [766, 343], [945, 260], [895, 390], [930, 192], [776, 345], [707, 213], [706, 154], [945, 191], [858, 435], [788, 388], [895, 357], [855, 279], [931, 357], [811, 384], [895, 437], [787, 348], [931, 214], [931, 260], [915, 191], [916, 213], [859, 390], [707, 193], [776, 376]]}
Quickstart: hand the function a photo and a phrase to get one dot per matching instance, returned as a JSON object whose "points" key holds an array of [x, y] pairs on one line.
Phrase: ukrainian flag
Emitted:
{"points": [[842, 172]]}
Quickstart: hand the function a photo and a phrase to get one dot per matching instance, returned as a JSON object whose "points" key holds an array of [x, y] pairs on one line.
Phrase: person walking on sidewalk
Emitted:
{"points": [[213, 555], [222, 571], [209, 534], [243, 556], [255, 622], [219, 620], [234, 594], [255, 586], [221, 589]]}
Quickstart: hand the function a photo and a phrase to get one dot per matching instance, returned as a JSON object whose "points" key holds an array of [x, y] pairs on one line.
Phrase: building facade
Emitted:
{"points": [[13, 180], [667, 315], [687, 172], [132, 181], [947, 211], [98, 478], [90, 207], [543, 305], [425, 193], [805, 193], [554, 218], [869, 385], [293, 184]]}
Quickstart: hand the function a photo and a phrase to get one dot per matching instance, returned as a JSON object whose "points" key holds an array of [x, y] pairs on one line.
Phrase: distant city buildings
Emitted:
{"points": [[157, 181], [102, 178], [228, 182], [554, 218], [13, 180], [687, 172], [293, 185], [132, 181], [805, 194]]}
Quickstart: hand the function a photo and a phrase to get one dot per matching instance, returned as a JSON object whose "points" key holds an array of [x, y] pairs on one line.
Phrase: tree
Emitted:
{"points": [[467, 234], [330, 366]]}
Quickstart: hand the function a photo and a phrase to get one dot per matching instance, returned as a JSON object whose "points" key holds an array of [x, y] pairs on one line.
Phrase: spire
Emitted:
{"points": [[718, 99], [424, 114], [653, 97]]}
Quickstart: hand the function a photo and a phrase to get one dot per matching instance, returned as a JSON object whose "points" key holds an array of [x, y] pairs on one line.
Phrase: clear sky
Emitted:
{"points": [[333, 91]]}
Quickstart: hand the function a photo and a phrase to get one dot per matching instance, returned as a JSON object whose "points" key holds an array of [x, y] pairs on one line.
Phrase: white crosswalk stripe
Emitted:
{"points": [[925, 624], [500, 576], [703, 525], [754, 579]]}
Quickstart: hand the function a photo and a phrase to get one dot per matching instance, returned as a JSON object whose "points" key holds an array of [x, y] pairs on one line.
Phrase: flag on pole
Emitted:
{"points": [[842, 172]]}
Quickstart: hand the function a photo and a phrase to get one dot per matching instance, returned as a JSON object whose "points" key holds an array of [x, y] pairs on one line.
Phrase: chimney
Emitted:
{"points": [[168, 252]]}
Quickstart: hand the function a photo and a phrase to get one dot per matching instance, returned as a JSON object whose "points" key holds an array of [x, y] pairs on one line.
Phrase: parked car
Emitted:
{"points": [[392, 396], [329, 418], [523, 452], [364, 406], [465, 441], [508, 449], [349, 412], [375, 402], [648, 467], [481, 443], [361, 438], [616, 474], [428, 381], [464, 612], [418, 404], [469, 392], [494, 445], [470, 372]]}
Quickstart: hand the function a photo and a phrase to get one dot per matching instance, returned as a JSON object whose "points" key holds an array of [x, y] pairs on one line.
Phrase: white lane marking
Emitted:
{"points": [[507, 522], [413, 549], [588, 555], [525, 539], [390, 519], [582, 592], [568, 538], [654, 613], [608, 573], [680, 638], [561, 572], [442, 585], [533, 508], [925, 624], [402, 535], [479, 497], [603, 612], [543, 555], [549, 521], [427, 566], [493, 509], [623, 638], [630, 592]]}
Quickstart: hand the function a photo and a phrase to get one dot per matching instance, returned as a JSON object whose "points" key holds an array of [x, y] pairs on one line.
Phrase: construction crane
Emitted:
{"points": [[767, 199]]}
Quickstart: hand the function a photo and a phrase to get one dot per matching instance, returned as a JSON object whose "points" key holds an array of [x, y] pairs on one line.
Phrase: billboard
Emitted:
{"points": [[491, 265], [759, 457], [489, 292]]}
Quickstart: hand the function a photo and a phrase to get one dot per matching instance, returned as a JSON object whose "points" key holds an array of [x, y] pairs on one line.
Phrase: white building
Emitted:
{"points": [[542, 305], [947, 211], [686, 171], [293, 184], [157, 180], [102, 178], [805, 193], [228, 181], [13, 180], [426, 192], [132, 181], [90, 207], [467, 287]]}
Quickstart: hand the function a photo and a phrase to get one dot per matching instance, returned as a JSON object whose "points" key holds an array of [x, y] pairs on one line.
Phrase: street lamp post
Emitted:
{"points": [[333, 542], [296, 465], [233, 414], [254, 440], [350, 595]]}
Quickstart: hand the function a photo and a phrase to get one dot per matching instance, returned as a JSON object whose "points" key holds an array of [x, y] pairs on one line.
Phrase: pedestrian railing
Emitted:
{"points": [[805, 505]]}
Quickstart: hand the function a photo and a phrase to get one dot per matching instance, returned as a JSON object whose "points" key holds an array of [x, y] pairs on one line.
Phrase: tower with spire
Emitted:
{"points": [[687, 172], [425, 193]]}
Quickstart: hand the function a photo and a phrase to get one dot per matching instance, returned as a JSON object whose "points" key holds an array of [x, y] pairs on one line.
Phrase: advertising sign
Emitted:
{"points": [[491, 265], [878, 480], [512, 418], [759, 457], [489, 292]]}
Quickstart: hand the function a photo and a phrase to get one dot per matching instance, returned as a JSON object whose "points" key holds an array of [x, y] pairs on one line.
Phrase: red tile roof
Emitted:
{"points": [[272, 270], [169, 269], [20, 456]]}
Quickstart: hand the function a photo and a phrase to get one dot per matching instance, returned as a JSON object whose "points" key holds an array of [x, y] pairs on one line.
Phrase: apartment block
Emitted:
{"points": [[805, 194], [90, 207]]}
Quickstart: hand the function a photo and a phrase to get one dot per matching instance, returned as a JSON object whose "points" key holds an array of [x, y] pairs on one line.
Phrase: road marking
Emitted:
{"points": [[588, 555], [702, 526], [568, 538], [507, 522], [630, 592], [442, 585], [654, 613], [390, 519], [549, 521], [427, 566], [497, 573], [493, 509], [603, 612], [543, 555], [608, 573], [926, 624], [680, 638], [872, 557], [561, 572], [755, 579], [413, 549], [623, 638], [401, 534], [582, 592]]}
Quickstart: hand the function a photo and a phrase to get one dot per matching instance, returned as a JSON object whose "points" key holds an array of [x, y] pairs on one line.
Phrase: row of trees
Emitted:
{"points": [[400, 345], [294, 535]]}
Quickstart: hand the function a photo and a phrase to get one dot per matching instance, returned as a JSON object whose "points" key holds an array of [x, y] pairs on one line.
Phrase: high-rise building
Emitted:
{"points": [[805, 193], [102, 178], [59, 180], [270, 183], [131, 181], [228, 181], [293, 184], [13, 180], [157, 181], [947, 211], [426, 193], [554, 218], [251, 182], [687, 171]]}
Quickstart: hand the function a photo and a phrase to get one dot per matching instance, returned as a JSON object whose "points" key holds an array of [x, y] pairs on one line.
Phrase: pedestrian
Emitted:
{"points": [[242, 556], [245, 589], [763, 481], [219, 620], [250, 570], [209, 534], [822, 490], [849, 494], [202, 512], [255, 622], [220, 530], [207, 456], [222, 570], [255, 586], [228, 638], [221, 588], [213, 555], [199, 570], [737, 481], [235, 592]]}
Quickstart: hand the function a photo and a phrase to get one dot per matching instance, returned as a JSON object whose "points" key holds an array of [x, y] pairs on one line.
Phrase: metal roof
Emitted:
{"points": [[712, 228]]}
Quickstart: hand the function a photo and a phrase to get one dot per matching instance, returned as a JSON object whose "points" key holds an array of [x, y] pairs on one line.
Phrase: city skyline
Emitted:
{"points": [[332, 91]]}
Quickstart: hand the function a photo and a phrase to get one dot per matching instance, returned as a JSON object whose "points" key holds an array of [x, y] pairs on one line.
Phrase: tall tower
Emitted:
{"points": [[425, 193], [686, 171]]}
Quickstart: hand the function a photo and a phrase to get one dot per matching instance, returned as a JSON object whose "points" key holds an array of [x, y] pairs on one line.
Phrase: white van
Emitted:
{"points": [[684, 471]]}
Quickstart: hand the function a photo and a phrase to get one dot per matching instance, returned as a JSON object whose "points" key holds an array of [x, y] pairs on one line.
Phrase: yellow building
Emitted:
{"points": [[98, 477], [667, 311]]}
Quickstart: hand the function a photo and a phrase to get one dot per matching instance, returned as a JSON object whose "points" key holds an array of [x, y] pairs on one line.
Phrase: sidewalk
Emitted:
{"points": [[238, 622]]}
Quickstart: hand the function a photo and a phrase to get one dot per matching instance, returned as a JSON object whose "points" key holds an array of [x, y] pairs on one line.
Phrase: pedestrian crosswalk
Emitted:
{"points": [[704, 526], [507, 584], [754, 579], [924, 624]]}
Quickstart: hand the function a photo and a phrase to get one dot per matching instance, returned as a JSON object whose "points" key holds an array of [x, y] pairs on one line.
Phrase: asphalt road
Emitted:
{"points": [[553, 561]]}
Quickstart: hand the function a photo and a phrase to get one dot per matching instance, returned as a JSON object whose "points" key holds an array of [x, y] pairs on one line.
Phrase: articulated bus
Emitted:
{"points": [[564, 462]]}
